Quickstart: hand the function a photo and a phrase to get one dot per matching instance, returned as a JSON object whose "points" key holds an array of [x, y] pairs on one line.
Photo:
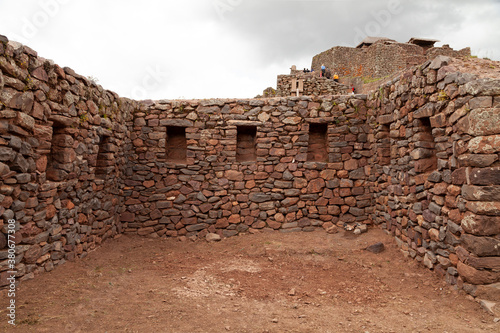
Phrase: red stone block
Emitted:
{"points": [[261, 175], [450, 201], [316, 185], [273, 224], [259, 225], [481, 224], [485, 176], [234, 175], [189, 220], [234, 219], [51, 211], [473, 276], [221, 223], [351, 164], [458, 177], [148, 183], [440, 188]]}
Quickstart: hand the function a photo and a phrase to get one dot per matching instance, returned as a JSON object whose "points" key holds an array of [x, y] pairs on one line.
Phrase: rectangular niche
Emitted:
{"points": [[246, 143], [317, 150], [105, 158], [176, 144], [425, 152], [383, 145], [61, 157]]}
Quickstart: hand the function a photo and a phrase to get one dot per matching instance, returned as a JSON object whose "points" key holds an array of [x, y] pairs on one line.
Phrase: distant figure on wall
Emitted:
{"points": [[353, 89], [323, 69], [336, 78]]}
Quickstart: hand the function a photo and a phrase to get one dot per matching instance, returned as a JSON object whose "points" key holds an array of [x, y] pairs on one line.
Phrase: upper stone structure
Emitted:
{"points": [[373, 59], [377, 57]]}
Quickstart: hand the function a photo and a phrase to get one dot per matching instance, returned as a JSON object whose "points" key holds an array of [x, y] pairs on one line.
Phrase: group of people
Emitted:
{"points": [[326, 73]]}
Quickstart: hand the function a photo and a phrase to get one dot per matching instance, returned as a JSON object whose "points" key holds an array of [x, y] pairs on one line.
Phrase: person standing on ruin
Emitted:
{"points": [[336, 78], [323, 69]]}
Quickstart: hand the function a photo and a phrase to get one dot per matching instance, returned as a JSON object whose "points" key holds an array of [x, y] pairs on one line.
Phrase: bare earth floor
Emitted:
{"points": [[268, 282]]}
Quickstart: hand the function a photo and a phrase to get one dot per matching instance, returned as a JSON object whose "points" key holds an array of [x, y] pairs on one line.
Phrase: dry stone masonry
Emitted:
{"points": [[418, 156], [291, 164], [378, 57], [308, 84], [62, 161], [437, 171]]}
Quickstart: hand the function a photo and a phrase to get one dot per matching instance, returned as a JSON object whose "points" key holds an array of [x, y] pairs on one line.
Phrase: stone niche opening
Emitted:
{"points": [[246, 142], [105, 158], [317, 150], [424, 153], [383, 145], [62, 155], [176, 144]]}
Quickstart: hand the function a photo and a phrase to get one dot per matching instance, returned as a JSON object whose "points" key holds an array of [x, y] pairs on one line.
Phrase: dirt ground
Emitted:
{"points": [[267, 282]]}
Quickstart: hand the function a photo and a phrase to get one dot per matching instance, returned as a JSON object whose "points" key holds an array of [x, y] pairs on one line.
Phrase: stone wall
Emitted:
{"points": [[290, 178], [61, 161], [380, 59], [418, 156], [437, 171], [309, 84], [445, 50]]}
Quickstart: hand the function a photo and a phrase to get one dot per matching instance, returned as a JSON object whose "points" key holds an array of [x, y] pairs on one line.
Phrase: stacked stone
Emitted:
{"points": [[78, 164], [51, 123], [313, 86], [445, 50], [438, 192], [380, 59], [341, 60], [214, 192]]}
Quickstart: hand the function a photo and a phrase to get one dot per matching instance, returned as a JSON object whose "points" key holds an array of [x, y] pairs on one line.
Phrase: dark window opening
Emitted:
{"points": [[176, 144], [246, 143], [105, 158], [318, 144], [425, 152]]}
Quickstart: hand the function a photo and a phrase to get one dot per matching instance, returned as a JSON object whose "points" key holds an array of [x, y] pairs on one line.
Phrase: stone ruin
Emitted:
{"points": [[364, 66], [418, 156], [378, 57], [300, 83]]}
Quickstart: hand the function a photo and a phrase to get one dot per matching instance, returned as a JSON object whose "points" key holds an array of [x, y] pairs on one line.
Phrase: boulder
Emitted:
{"points": [[481, 246], [481, 225], [376, 248], [475, 276]]}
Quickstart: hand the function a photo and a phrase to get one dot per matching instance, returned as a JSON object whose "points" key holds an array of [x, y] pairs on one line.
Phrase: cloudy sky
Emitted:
{"points": [[228, 48]]}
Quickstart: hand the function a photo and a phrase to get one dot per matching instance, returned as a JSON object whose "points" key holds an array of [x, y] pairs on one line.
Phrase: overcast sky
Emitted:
{"points": [[169, 49]]}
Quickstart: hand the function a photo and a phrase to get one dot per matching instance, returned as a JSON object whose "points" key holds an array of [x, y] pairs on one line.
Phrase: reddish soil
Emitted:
{"points": [[267, 282]]}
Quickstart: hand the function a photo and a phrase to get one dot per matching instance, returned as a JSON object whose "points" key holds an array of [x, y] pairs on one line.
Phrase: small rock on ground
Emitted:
{"points": [[488, 306], [211, 237], [376, 248], [332, 230]]}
